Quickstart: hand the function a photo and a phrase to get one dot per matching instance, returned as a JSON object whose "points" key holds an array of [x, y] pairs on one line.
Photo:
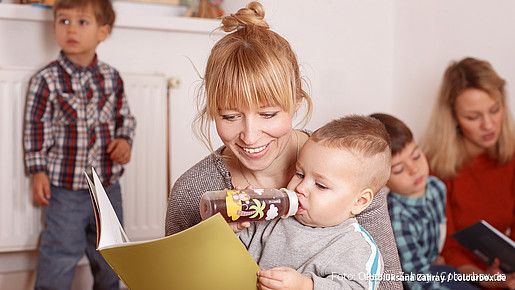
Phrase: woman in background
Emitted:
{"points": [[253, 90], [470, 144]]}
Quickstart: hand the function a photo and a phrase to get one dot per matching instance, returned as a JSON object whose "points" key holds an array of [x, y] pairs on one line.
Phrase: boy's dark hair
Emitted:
{"points": [[400, 134], [104, 12]]}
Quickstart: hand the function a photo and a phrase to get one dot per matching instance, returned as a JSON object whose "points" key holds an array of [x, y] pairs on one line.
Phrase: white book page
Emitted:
{"points": [[111, 231]]}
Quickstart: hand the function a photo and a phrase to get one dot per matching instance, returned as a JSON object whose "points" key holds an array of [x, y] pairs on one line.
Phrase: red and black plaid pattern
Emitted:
{"points": [[71, 115]]}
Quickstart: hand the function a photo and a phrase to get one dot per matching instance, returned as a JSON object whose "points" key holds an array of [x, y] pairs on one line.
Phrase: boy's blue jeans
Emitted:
{"points": [[70, 233]]}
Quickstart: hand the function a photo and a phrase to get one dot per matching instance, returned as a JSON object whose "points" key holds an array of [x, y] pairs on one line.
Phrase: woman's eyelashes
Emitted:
{"points": [[472, 117], [269, 115], [495, 110], [230, 117], [235, 117]]}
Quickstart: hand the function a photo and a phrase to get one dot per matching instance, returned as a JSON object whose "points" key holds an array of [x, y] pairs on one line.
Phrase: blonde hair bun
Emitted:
{"points": [[252, 15]]}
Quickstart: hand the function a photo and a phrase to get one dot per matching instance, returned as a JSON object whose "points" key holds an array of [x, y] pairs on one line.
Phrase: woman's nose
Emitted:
{"points": [[250, 133], [487, 122]]}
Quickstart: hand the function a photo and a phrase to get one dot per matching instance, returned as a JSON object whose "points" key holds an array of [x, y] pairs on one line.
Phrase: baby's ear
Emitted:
{"points": [[362, 201]]}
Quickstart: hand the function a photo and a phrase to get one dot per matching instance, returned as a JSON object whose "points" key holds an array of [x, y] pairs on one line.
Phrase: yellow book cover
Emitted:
{"points": [[205, 256]]}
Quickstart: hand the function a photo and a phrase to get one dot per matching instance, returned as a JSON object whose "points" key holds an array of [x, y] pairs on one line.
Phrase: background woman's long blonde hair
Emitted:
{"points": [[443, 142], [248, 68]]}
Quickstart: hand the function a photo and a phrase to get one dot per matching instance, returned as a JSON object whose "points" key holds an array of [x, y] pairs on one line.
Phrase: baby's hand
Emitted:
{"points": [[238, 226], [119, 151], [283, 278]]}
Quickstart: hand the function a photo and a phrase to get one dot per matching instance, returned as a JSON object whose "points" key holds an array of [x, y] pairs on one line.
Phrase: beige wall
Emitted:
{"points": [[431, 33]]}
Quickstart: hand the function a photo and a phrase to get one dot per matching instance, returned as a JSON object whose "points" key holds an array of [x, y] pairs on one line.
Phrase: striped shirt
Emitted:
{"points": [[419, 229], [72, 113]]}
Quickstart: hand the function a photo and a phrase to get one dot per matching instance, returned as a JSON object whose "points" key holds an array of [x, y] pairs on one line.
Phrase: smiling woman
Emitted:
{"points": [[252, 91]]}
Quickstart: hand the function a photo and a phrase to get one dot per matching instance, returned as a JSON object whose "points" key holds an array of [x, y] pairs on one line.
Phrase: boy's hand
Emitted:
{"points": [[119, 151], [439, 261], [40, 188], [283, 278]]}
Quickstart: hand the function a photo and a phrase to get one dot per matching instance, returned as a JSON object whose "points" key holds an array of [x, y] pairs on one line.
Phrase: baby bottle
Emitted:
{"points": [[249, 204]]}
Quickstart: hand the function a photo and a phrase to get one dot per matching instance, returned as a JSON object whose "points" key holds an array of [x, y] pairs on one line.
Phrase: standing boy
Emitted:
{"points": [[77, 117]]}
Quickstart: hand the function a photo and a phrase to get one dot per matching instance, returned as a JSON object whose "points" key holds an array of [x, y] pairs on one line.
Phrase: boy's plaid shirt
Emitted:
{"points": [[419, 228], [71, 114]]}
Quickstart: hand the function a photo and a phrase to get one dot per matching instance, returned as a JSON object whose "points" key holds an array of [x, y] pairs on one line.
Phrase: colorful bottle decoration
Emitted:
{"points": [[249, 204]]}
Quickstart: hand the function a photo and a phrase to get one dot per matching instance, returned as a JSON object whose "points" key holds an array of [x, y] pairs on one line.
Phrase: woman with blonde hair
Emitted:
{"points": [[252, 91], [470, 144]]}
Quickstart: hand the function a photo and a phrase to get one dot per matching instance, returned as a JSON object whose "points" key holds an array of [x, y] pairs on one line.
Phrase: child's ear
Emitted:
{"points": [[103, 32], [362, 201]]}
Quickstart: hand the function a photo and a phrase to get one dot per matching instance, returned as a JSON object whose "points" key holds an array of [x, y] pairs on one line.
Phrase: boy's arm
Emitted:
{"points": [[413, 258], [408, 245], [125, 123], [37, 136]]}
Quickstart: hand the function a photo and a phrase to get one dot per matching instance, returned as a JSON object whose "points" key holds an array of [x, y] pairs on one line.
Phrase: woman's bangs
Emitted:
{"points": [[241, 91]]}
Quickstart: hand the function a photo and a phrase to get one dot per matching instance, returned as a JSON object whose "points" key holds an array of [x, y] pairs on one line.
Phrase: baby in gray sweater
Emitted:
{"points": [[339, 170]]}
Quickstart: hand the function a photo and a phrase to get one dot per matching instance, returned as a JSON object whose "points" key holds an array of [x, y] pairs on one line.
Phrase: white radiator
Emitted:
{"points": [[144, 184]]}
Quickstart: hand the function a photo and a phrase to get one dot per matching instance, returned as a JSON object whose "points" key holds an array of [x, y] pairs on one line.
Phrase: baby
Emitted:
{"points": [[339, 170]]}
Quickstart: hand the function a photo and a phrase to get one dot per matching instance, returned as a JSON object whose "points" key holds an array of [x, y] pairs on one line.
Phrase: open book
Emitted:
{"points": [[488, 243], [206, 256]]}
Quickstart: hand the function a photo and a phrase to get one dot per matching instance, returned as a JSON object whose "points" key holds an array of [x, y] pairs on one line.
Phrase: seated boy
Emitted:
{"points": [[416, 204], [340, 168]]}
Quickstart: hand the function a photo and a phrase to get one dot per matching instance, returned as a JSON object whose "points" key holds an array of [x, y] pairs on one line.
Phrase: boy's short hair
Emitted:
{"points": [[400, 134], [104, 12], [366, 138]]}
